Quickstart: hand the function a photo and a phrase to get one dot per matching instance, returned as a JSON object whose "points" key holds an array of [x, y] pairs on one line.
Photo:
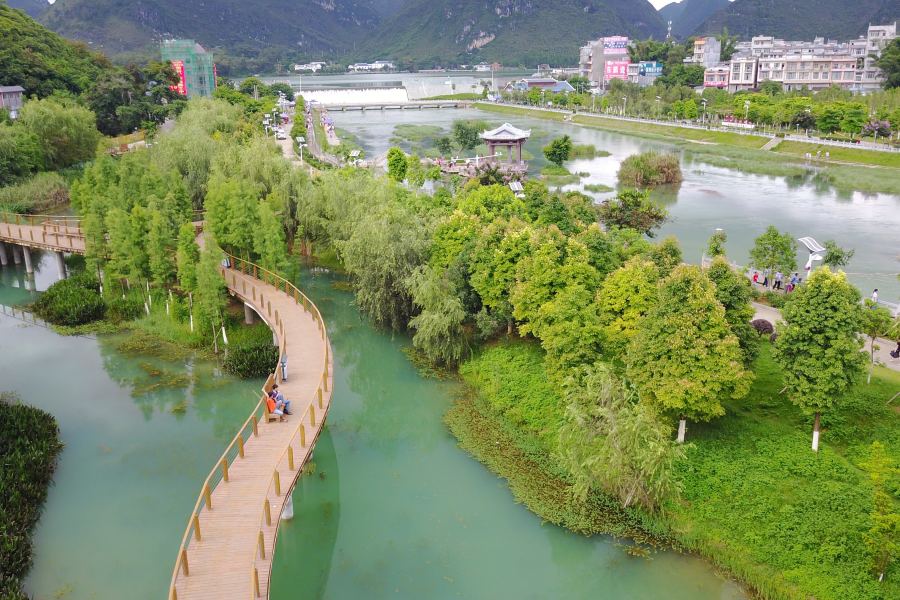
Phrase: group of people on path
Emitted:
{"points": [[778, 281], [277, 404]]}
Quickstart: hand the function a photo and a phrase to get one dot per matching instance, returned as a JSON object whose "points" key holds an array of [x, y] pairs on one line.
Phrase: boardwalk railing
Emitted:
{"points": [[43, 231], [236, 449]]}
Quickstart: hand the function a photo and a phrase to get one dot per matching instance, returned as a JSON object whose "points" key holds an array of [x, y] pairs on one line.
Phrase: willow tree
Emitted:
{"points": [[684, 359], [818, 348], [612, 443], [439, 325]]}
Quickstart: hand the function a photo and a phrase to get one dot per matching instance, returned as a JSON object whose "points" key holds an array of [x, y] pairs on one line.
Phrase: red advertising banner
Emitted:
{"points": [[617, 69], [178, 65], [215, 77]]}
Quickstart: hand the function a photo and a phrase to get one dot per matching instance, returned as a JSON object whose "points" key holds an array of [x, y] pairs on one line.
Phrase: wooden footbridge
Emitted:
{"points": [[227, 548]]}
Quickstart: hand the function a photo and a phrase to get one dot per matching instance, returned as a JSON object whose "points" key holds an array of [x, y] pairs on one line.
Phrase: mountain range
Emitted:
{"points": [[251, 35], [686, 15], [800, 19], [528, 32]]}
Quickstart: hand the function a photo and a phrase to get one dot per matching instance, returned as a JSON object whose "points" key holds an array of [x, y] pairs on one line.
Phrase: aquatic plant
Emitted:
{"points": [[71, 302], [29, 445], [251, 360], [650, 168]]}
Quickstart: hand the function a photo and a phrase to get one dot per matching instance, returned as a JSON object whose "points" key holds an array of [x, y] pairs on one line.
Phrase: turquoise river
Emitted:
{"points": [[394, 508]]}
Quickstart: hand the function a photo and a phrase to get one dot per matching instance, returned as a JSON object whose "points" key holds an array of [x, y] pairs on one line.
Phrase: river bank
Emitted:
{"points": [[850, 169], [752, 502]]}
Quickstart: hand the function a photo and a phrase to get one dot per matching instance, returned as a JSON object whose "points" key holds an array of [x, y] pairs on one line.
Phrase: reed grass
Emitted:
{"points": [[650, 169], [39, 194]]}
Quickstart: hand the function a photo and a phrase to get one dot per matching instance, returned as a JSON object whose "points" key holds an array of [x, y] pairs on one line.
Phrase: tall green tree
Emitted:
{"points": [[633, 209], [558, 150], [269, 238], [883, 539], [161, 246], [397, 164], [716, 244], [889, 63], [614, 444], [625, 297], [817, 348], [733, 293], [465, 133], [67, 132], [685, 359], [187, 258], [774, 251], [729, 44], [439, 325], [835, 256], [875, 320]]}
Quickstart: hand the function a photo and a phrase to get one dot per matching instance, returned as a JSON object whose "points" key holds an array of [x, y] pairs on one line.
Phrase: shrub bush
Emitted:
{"points": [[252, 360], [124, 309], [28, 449], [71, 302], [762, 326], [650, 168], [775, 299]]}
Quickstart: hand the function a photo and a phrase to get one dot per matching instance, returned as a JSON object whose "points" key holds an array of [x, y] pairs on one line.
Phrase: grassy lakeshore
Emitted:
{"points": [[866, 157], [678, 133], [851, 155], [756, 502]]}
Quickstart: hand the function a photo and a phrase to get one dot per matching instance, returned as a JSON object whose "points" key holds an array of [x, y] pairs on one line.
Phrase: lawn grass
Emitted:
{"points": [[757, 500], [865, 157]]}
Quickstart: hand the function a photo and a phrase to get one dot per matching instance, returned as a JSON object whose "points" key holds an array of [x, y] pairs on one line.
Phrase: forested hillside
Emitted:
{"points": [[800, 19], [32, 7], [430, 32], [42, 62], [693, 13], [237, 27]]}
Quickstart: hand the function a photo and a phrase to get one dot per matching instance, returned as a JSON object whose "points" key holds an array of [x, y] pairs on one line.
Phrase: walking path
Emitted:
{"points": [[882, 354]]}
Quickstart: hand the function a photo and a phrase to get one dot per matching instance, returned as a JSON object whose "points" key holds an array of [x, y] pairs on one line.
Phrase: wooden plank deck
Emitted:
{"points": [[228, 559], [45, 236], [221, 564]]}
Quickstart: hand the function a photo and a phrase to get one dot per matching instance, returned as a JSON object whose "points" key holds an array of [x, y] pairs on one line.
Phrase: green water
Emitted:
{"points": [[710, 197], [396, 510], [131, 469]]}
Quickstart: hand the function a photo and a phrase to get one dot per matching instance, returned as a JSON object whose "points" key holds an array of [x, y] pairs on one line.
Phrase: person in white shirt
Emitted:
{"points": [[875, 296]]}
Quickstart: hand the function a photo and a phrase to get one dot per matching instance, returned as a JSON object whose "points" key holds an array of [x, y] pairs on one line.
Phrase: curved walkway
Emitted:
{"points": [[227, 549]]}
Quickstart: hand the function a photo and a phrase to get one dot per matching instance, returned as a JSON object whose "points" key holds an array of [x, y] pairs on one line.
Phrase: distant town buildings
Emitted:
{"points": [[604, 59], [194, 66], [311, 66], [378, 65], [707, 52], [817, 64], [11, 99]]}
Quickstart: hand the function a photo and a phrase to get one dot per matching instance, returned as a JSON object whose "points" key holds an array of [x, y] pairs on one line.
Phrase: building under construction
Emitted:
{"points": [[194, 65]]}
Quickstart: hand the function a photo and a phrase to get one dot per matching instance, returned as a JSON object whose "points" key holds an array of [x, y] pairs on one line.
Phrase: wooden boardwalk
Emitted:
{"points": [[238, 518], [227, 549], [61, 234]]}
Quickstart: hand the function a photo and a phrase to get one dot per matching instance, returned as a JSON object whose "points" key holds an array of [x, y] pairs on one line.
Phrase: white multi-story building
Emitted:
{"points": [[743, 73], [312, 66], [717, 77], [378, 65]]}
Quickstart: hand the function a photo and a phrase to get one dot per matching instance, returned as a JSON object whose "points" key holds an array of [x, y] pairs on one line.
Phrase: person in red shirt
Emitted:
{"points": [[270, 402]]}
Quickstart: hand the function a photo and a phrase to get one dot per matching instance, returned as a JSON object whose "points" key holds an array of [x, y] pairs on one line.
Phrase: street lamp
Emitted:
{"points": [[747, 109], [704, 110], [624, 105], [658, 100]]}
